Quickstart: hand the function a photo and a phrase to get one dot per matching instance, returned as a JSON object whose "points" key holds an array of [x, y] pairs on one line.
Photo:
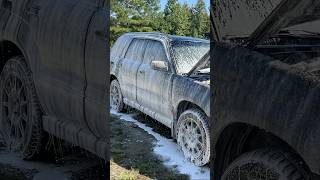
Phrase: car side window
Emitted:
{"points": [[155, 52], [136, 49], [119, 46]]}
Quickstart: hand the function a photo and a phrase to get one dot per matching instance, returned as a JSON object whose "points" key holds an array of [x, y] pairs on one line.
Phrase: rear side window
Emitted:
{"points": [[136, 49], [155, 52], [119, 46]]}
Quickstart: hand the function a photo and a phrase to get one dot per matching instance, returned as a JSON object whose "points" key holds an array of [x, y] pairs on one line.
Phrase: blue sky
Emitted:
{"points": [[191, 2]]}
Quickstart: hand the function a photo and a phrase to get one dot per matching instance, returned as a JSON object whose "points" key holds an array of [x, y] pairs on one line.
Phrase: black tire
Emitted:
{"points": [[267, 164], [193, 136], [20, 112], [116, 98]]}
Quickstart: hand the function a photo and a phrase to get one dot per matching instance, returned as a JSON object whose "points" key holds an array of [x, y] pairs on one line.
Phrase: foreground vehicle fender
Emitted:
{"points": [[279, 98]]}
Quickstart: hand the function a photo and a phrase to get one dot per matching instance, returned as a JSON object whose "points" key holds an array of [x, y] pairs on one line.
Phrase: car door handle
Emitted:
{"points": [[142, 71]]}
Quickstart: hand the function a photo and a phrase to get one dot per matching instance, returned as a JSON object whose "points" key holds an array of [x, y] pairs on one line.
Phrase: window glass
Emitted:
{"points": [[187, 54], [119, 46], [155, 52], [136, 49]]}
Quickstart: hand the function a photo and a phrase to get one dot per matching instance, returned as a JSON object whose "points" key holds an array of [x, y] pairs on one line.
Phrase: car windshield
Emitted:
{"points": [[186, 54], [306, 28]]}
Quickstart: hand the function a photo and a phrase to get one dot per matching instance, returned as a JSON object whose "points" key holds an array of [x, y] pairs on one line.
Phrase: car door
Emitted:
{"points": [[154, 86], [129, 68], [62, 27], [97, 72]]}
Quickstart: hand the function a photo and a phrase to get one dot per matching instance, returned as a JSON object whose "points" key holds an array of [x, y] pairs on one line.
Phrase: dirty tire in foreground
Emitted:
{"points": [[193, 136], [267, 164], [116, 98], [20, 114]]}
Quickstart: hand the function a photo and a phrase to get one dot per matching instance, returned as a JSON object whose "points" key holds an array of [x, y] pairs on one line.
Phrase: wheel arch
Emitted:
{"points": [[185, 105], [10, 49], [113, 77], [237, 138]]}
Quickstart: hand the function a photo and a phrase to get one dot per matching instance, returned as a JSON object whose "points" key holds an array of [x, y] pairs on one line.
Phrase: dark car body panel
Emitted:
{"points": [[269, 81], [68, 60], [282, 99]]}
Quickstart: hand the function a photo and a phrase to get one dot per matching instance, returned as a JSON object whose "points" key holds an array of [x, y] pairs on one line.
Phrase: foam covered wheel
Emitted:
{"points": [[20, 113], [116, 99], [267, 164], [193, 136]]}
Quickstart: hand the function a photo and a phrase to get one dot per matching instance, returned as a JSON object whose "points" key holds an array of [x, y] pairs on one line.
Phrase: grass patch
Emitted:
{"points": [[132, 149], [120, 173]]}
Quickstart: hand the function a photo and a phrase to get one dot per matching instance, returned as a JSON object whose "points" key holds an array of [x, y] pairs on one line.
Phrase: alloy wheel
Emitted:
{"points": [[14, 111]]}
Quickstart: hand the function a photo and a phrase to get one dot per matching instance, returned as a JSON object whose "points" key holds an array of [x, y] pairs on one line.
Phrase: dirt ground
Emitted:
{"points": [[132, 152], [63, 162]]}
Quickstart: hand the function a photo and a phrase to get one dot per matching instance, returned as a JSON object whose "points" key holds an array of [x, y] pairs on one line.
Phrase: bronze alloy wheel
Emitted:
{"points": [[193, 136], [116, 99]]}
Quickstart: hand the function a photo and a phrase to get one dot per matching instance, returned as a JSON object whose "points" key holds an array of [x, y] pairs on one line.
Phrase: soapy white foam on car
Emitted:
{"points": [[169, 151]]}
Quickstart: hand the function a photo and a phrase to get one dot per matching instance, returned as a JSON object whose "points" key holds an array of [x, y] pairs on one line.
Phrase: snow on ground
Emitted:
{"points": [[169, 151]]}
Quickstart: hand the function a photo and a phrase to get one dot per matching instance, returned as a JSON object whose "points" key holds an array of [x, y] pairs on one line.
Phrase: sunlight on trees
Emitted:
{"points": [[146, 16]]}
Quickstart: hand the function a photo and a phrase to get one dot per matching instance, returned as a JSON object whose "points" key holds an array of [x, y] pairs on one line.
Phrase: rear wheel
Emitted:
{"points": [[20, 115], [267, 164], [193, 136], [116, 99]]}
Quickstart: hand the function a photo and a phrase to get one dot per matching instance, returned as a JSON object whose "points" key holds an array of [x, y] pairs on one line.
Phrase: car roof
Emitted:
{"points": [[163, 36]]}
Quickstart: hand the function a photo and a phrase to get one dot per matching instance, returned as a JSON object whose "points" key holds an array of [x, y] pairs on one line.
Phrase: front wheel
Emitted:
{"points": [[20, 115], [267, 164], [193, 136]]}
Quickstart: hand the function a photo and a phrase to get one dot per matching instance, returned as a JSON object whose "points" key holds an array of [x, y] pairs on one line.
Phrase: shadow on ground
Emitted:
{"points": [[63, 161]]}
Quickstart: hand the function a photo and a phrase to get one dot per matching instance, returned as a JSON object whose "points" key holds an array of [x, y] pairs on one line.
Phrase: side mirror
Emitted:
{"points": [[160, 65]]}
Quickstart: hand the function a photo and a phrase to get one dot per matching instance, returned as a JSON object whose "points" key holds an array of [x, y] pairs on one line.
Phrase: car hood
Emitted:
{"points": [[258, 20], [203, 62]]}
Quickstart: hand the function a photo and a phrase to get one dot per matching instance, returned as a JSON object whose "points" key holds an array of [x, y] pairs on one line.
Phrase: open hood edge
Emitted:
{"points": [[287, 13], [201, 62]]}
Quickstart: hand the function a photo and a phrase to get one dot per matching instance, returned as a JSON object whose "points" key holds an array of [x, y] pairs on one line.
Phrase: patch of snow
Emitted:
{"points": [[169, 151]]}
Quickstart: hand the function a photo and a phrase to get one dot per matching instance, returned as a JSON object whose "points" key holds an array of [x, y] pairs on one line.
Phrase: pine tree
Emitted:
{"points": [[177, 18], [145, 16], [200, 20], [171, 15], [132, 16], [184, 22]]}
